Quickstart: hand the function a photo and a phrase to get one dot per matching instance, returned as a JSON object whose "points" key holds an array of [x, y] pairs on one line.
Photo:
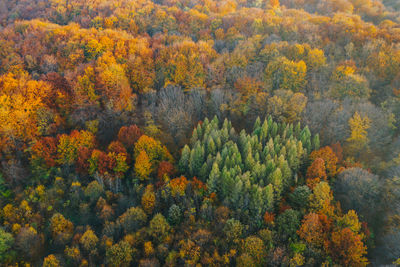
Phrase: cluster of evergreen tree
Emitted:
{"points": [[248, 172]]}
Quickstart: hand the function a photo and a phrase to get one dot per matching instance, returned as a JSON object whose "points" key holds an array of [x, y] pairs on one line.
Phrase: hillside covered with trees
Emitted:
{"points": [[199, 132]]}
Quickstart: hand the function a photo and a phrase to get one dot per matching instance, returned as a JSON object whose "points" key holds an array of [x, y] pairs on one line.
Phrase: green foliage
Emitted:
{"points": [[159, 228], [233, 230], [174, 214], [6, 242], [132, 219], [287, 224], [260, 165], [299, 197], [119, 254]]}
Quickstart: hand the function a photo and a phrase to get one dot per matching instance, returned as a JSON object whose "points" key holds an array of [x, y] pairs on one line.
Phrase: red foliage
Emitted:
{"points": [[46, 148], [118, 148], [61, 93], [105, 163], [165, 168], [82, 163], [128, 135], [283, 206]]}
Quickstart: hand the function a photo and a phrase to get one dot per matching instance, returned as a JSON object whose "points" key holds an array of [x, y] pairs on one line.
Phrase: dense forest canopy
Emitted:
{"points": [[199, 132]]}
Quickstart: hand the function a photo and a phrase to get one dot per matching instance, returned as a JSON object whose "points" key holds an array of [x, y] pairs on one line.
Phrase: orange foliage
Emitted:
{"points": [[326, 153], [178, 186], [315, 229], [269, 218], [149, 199], [46, 148], [347, 248], [198, 185], [316, 172]]}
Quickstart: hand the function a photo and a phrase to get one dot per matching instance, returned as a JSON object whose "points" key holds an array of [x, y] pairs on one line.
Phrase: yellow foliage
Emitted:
{"points": [[148, 248], [359, 126], [350, 220], [142, 166], [20, 100], [149, 199]]}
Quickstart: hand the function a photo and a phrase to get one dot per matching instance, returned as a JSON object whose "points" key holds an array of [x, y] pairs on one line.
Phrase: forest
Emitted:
{"points": [[199, 133]]}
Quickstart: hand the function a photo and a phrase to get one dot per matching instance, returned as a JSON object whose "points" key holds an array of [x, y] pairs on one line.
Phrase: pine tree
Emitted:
{"points": [[214, 179], [276, 181], [196, 159], [184, 161]]}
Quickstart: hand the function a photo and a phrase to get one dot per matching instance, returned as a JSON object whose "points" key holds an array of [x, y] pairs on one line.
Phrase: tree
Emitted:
{"points": [[326, 153], [245, 260], [143, 166], [316, 172], [299, 197], [129, 135], [359, 190], [174, 214], [184, 160], [113, 83], [159, 228], [178, 186], [93, 191], [6, 243], [255, 247], [29, 243], [321, 198], [20, 100], [165, 171], [358, 138], [181, 64], [68, 145], [350, 220], [274, 3], [155, 151], [276, 180], [45, 149], [133, 219], [140, 65], [347, 84], [314, 229], [119, 254], [148, 199], [89, 240], [51, 261], [233, 230], [286, 106], [347, 248], [286, 74], [287, 224], [61, 228], [315, 59]]}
